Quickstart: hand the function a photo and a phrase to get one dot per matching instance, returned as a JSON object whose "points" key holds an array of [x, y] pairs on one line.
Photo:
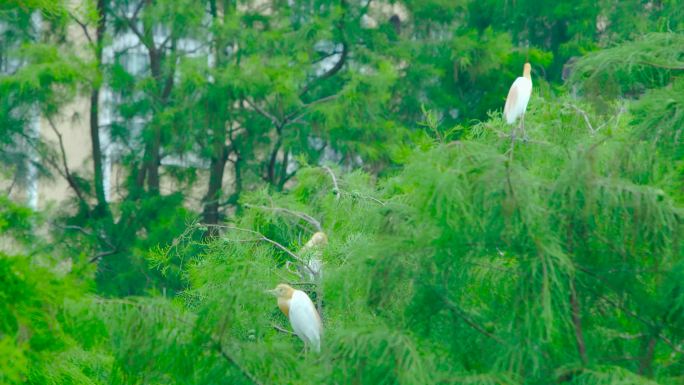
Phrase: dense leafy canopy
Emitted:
{"points": [[457, 254]]}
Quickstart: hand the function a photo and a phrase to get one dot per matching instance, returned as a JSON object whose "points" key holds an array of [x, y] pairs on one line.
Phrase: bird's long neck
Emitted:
{"points": [[526, 71]]}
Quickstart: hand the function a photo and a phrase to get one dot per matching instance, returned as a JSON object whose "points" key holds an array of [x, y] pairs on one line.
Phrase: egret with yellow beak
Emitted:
{"points": [[304, 318], [518, 97]]}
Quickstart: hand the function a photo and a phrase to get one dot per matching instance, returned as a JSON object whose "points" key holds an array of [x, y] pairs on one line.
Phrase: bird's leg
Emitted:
{"points": [[522, 124]]}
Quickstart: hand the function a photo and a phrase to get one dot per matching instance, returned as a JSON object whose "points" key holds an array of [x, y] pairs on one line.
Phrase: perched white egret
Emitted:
{"points": [[518, 97], [304, 318]]}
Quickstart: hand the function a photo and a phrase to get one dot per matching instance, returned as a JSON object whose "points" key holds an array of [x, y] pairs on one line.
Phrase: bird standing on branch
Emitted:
{"points": [[517, 99], [304, 318]]}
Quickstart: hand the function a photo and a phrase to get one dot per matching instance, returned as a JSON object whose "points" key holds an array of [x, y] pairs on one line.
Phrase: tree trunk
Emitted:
{"points": [[102, 206], [273, 160], [218, 162]]}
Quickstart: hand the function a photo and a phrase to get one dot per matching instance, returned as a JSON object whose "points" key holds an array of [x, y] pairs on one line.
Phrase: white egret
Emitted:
{"points": [[518, 97], [304, 318]]}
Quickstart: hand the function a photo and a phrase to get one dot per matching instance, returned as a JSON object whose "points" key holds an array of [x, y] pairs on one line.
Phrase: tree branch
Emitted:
{"points": [[67, 174], [266, 239], [293, 117], [131, 24], [83, 27]]}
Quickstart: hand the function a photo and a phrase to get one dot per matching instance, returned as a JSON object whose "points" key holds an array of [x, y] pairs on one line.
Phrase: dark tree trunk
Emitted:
{"points": [[271, 168], [218, 163]]}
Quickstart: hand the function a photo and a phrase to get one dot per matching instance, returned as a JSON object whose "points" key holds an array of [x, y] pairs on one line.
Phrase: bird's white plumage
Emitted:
{"points": [[518, 97], [305, 320]]}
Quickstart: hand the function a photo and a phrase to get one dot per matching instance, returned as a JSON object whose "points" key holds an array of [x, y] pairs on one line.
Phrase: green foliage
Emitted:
{"points": [[457, 269], [631, 68], [35, 345]]}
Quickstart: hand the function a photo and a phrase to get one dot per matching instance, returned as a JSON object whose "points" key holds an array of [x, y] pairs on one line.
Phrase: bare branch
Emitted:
{"points": [[336, 188]]}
